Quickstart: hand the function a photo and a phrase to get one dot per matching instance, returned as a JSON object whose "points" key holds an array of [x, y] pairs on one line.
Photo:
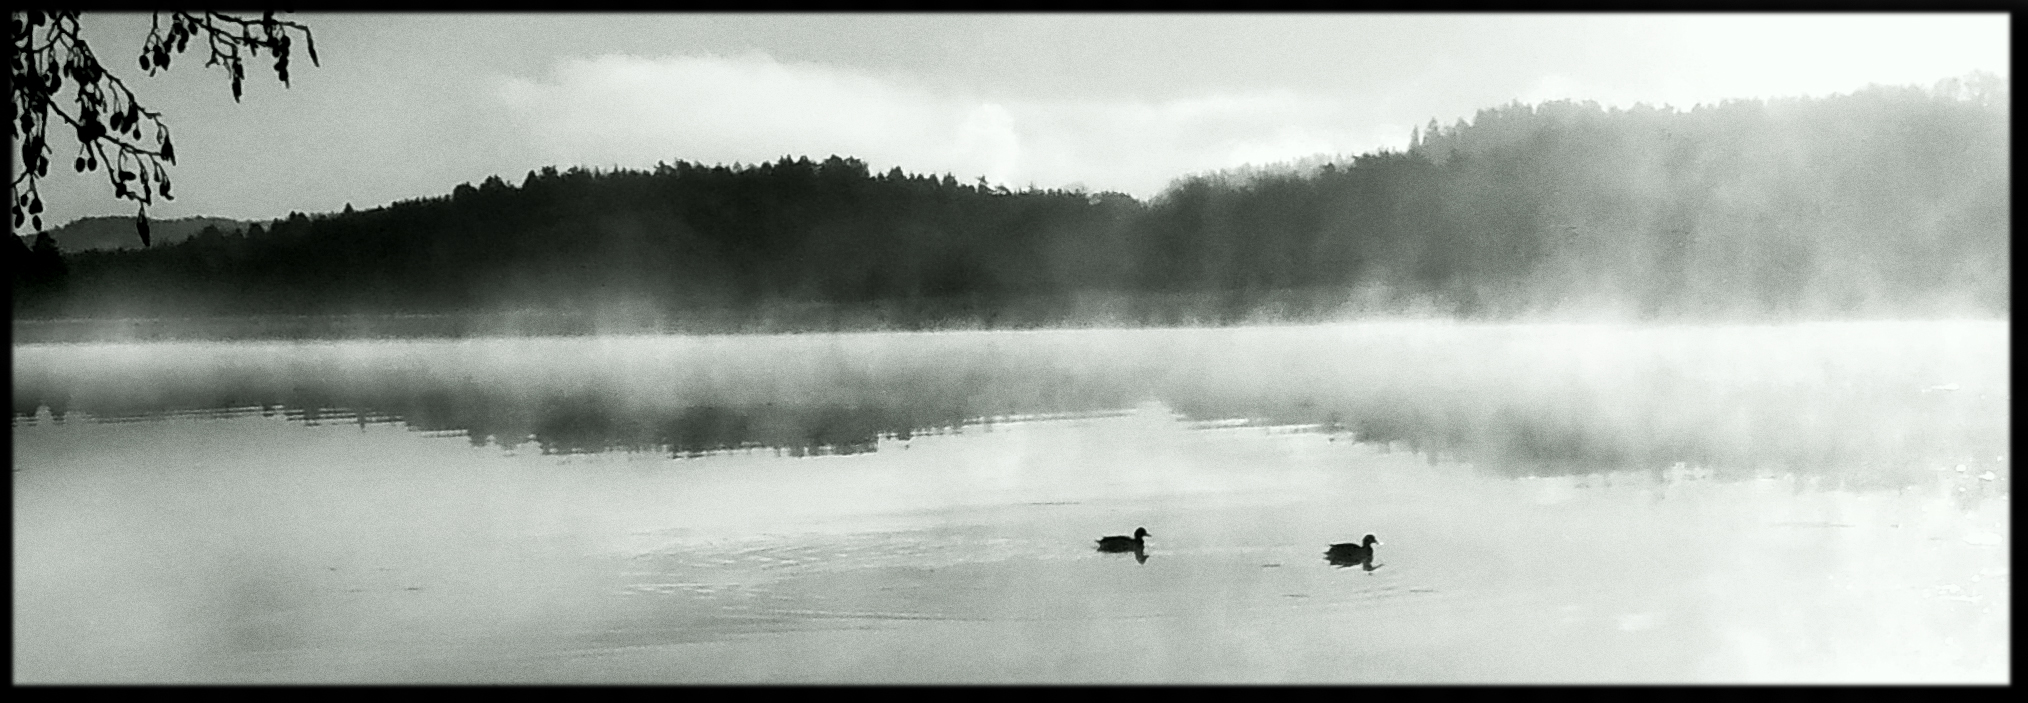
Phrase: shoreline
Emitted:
{"points": [[808, 319]]}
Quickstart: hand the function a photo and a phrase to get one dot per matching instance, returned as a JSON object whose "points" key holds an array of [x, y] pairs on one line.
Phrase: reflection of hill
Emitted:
{"points": [[1875, 402], [558, 424], [588, 423], [792, 394], [1848, 401]]}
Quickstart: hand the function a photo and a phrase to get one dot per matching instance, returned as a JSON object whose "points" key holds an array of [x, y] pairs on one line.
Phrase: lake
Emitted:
{"points": [[1824, 502]]}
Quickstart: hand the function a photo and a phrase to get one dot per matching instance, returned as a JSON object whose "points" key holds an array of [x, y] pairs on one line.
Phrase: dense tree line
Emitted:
{"points": [[1888, 201]]}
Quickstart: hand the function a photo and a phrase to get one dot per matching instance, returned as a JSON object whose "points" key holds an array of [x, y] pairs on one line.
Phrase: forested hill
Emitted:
{"points": [[1889, 201], [117, 232]]}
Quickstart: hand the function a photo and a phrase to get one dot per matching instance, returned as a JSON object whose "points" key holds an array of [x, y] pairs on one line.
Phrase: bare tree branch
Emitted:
{"points": [[111, 126]]}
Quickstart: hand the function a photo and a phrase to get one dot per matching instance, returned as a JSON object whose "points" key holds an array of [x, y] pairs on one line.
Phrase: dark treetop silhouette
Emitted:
{"points": [[1885, 202]]}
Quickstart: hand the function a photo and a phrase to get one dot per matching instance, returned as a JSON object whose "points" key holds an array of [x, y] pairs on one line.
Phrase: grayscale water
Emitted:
{"points": [[1556, 503]]}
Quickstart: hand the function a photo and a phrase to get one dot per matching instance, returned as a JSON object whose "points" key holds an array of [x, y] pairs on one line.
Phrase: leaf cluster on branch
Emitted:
{"points": [[113, 129]]}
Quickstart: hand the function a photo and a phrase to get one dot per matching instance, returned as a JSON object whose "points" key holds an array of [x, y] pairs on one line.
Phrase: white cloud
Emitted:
{"points": [[633, 111]]}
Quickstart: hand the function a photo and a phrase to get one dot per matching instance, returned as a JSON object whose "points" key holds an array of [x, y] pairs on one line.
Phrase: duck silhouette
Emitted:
{"points": [[1117, 543], [1349, 554], [1135, 544]]}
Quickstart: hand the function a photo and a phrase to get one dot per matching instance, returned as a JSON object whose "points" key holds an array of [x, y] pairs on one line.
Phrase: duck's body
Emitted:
{"points": [[1118, 543], [1349, 554]]}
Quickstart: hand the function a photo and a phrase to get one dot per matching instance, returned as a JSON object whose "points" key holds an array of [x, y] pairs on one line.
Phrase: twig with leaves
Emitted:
{"points": [[109, 122]]}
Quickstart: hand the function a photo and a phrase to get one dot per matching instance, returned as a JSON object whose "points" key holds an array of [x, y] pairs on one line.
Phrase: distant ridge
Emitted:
{"points": [[117, 232], [1891, 202]]}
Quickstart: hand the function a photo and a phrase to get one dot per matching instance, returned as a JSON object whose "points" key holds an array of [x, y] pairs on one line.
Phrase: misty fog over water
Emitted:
{"points": [[1627, 503], [1860, 401]]}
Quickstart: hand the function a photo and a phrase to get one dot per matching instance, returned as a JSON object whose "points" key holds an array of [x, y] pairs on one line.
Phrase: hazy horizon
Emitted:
{"points": [[405, 106]]}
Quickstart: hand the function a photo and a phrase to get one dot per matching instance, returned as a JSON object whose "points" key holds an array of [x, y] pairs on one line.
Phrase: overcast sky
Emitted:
{"points": [[411, 105]]}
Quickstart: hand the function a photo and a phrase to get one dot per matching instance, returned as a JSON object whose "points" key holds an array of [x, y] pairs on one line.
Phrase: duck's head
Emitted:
{"points": [[1140, 532], [1369, 541]]}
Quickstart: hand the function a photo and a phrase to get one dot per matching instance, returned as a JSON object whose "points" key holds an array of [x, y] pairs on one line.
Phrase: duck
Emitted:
{"points": [[1117, 543], [1349, 554]]}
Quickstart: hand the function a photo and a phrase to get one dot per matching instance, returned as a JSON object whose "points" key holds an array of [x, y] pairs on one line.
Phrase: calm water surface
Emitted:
{"points": [[1581, 504]]}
